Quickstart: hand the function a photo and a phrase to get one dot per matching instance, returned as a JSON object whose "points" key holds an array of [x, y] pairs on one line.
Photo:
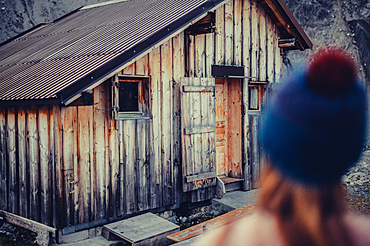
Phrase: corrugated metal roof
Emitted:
{"points": [[62, 58], [53, 56]]}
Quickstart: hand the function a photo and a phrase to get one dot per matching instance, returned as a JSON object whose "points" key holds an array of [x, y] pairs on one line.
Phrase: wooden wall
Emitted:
{"points": [[66, 166]]}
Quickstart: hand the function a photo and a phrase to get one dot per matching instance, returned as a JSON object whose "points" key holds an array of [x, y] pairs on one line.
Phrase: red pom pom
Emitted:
{"points": [[332, 71]]}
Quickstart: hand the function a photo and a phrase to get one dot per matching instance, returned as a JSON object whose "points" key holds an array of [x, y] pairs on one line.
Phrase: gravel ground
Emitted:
{"points": [[357, 185]]}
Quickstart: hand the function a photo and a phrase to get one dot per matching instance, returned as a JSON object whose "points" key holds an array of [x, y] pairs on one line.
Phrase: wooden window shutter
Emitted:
{"points": [[198, 133]]}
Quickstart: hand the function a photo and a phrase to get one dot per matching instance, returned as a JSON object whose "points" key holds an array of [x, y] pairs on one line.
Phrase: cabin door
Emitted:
{"points": [[228, 128], [198, 133]]}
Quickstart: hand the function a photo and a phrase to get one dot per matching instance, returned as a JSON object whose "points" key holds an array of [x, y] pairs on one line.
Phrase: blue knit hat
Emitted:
{"points": [[315, 125]]}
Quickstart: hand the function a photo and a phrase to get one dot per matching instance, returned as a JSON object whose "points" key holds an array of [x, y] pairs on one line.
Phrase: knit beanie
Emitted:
{"points": [[314, 127]]}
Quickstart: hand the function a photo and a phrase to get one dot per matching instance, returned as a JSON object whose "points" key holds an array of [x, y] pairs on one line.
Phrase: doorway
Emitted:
{"points": [[228, 128]]}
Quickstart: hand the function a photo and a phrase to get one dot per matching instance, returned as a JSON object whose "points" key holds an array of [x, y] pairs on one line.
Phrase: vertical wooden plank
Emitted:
{"points": [[59, 217], [93, 186], [12, 161], [45, 184], [22, 157], [141, 165], [200, 58], [263, 36], [210, 55], [238, 34], [99, 151], [212, 122], [3, 161], [196, 122], [52, 182], [67, 119], [191, 56], [167, 131], [178, 72], [210, 191], [226, 107], [129, 133], [155, 170], [114, 166], [129, 70], [220, 36], [205, 121], [229, 33], [254, 38], [33, 157], [187, 158], [76, 182], [247, 71], [270, 50], [85, 114], [234, 130], [107, 177], [142, 66], [278, 57], [255, 152], [122, 171]]}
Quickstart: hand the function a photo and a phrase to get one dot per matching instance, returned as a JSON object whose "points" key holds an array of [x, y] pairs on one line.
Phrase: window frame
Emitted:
{"points": [[259, 90], [121, 115]]}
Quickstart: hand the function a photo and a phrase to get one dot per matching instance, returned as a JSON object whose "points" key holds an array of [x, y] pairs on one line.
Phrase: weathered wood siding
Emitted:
{"points": [[245, 35], [65, 166]]}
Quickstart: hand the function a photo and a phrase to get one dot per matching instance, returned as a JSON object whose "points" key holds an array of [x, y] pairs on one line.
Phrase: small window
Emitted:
{"points": [[130, 98], [257, 93]]}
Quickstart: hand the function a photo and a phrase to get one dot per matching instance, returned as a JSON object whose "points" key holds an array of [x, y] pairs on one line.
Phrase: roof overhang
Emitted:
{"points": [[107, 70], [291, 33]]}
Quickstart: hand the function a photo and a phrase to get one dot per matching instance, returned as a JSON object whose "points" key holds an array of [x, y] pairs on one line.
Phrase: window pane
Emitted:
{"points": [[128, 96], [253, 97]]}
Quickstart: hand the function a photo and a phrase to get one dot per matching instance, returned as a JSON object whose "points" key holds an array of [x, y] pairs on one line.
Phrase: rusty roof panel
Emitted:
{"points": [[44, 61]]}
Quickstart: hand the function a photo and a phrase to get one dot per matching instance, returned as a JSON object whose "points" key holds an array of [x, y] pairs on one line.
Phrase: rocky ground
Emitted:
{"points": [[357, 184]]}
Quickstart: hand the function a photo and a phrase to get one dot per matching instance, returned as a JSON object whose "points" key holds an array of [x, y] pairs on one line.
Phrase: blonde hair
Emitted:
{"points": [[305, 216]]}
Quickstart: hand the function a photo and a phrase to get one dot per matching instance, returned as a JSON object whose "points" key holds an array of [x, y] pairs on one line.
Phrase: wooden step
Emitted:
{"points": [[232, 184], [211, 224], [145, 229]]}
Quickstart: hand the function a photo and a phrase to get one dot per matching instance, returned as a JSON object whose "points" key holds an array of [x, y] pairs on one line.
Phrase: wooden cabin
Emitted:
{"points": [[131, 106]]}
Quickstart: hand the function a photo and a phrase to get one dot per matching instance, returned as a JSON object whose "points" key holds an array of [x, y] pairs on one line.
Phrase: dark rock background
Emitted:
{"points": [[18, 16]]}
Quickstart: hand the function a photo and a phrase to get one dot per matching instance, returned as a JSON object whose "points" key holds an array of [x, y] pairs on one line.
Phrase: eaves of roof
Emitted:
{"points": [[286, 22]]}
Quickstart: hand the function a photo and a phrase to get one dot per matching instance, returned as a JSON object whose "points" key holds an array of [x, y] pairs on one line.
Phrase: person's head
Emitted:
{"points": [[315, 126], [313, 132]]}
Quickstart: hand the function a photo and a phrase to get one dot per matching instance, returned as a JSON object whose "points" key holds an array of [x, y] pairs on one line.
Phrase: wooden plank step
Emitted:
{"points": [[211, 224], [145, 229], [232, 184], [228, 180]]}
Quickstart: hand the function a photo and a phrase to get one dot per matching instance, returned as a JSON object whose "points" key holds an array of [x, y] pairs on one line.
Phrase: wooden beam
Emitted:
{"points": [[189, 88], [43, 231], [201, 129], [201, 176]]}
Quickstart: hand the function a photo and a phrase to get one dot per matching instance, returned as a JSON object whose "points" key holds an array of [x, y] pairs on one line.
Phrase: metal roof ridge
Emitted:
{"points": [[102, 4]]}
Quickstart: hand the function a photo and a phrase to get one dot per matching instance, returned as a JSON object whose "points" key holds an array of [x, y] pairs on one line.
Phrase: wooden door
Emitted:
{"points": [[198, 133], [228, 128]]}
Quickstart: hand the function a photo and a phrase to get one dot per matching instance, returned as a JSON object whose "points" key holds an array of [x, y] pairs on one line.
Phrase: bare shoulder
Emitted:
{"points": [[360, 226], [224, 235], [256, 229]]}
